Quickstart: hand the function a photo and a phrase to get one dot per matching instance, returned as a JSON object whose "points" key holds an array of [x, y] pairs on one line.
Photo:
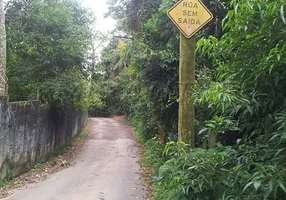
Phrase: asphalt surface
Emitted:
{"points": [[106, 169]]}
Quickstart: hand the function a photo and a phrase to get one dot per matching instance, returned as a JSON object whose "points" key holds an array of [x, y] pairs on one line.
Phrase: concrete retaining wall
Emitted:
{"points": [[30, 133]]}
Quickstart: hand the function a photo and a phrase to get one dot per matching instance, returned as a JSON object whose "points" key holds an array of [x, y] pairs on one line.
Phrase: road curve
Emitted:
{"points": [[106, 169]]}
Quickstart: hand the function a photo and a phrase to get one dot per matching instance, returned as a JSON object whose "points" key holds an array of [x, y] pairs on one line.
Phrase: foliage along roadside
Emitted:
{"points": [[245, 97], [239, 96], [48, 51], [151, 158]]}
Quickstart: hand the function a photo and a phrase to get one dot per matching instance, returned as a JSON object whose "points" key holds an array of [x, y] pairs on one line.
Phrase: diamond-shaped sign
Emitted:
{"points": [[190, 16]]}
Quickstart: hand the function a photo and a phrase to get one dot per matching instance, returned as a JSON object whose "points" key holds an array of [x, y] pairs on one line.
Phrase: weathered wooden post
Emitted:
{"points": [[186, 126], [3, 83], [189, 16]]}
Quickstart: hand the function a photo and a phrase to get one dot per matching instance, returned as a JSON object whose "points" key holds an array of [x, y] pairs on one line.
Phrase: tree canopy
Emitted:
{"points": [[48, 44]]}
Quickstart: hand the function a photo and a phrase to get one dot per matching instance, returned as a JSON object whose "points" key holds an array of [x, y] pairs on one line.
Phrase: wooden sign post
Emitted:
{"points": [[189, 16]]}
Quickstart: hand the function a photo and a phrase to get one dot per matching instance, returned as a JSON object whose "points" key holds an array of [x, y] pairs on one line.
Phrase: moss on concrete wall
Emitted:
{"points": [[30, 133]]}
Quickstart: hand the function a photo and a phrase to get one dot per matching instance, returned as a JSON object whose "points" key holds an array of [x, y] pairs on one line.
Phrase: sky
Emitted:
{"points": [[104, 25], [100, 8]]}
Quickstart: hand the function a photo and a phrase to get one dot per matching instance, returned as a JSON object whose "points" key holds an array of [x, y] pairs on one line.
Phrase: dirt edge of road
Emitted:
{"points": [[147, 172], [61, 159]]}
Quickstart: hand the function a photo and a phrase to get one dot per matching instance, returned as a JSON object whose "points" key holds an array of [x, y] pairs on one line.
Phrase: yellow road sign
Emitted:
{"points": [[190, 16]]}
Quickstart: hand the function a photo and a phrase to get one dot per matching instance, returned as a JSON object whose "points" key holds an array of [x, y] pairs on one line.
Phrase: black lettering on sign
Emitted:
{"points": [[190, 5], [190, 13], [189, 21]]}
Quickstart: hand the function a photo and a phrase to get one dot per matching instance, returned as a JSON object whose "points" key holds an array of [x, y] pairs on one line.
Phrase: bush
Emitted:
{"points": [[69, 89], [249, 171], [110, 95]]}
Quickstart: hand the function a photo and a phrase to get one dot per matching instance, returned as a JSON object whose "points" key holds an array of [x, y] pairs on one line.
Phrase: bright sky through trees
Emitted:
{"points": [[100, 8], [104, 25]]}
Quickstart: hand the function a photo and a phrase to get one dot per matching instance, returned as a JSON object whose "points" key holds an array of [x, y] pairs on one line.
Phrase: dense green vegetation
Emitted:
{"points": [[48, 44], [239, 96]]}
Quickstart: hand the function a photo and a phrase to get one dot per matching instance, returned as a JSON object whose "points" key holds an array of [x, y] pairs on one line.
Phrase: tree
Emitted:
{"points": [[132, 14], [3, 84], [260, 78], [47, 39], [154, 59]]}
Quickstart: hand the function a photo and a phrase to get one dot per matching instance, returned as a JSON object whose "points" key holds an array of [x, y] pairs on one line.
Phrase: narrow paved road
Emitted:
{"points": [[106, 169]]}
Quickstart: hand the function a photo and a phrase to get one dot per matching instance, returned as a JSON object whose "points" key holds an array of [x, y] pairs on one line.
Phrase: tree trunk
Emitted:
{"points": [[186, 124], [212, 140], [163, 136], [3, 84]]}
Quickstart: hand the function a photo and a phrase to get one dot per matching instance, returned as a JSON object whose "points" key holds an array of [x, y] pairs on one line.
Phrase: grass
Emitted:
{"points": [[38, 166], [83, 135], [151, 159], [4, 183]]}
